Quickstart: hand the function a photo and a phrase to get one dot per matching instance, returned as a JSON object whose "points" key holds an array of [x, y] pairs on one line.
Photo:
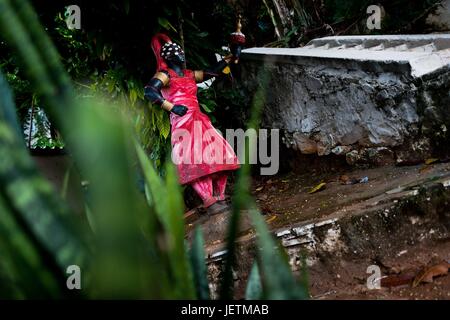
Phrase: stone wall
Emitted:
{"points": [[440, 19], [372, 99]]}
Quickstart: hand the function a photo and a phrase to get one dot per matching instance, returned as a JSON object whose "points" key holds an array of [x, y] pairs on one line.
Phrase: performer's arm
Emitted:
{"points": [[152, 92], [214, 70]]}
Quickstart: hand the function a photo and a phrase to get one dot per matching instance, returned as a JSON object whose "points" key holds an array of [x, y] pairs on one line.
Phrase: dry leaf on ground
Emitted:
{"points": [[427, 274], [397, 280], [319, 187], [431, 160], [425, 169]]}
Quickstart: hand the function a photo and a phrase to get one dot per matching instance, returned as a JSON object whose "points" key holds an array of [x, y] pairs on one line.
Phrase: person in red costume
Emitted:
{"points": [[202, 156]]}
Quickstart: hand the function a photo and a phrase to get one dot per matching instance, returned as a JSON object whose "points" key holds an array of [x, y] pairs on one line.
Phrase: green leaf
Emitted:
{"points": [[126, 5], [168, 207], [199, 268], [22, 261], [163, 22], [90, 218], [205, 107], [65, 185], [133, 96], [7, 106], [111, 85], [32, 197], [277, 278], [202, 34], [254, 287], [34, 238], [163, 124]]}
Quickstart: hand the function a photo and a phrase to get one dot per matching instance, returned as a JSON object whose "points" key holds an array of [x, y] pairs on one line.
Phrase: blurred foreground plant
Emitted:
{"points": [[128, 245]]}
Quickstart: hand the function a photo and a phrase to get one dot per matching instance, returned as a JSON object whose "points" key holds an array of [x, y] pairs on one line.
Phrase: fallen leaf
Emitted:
{"points": [[431, 160], [344, 179], [425, 169], [427, 274], [260, 188], [397, 280], [319, 187], [271, 219], [285, 181]]}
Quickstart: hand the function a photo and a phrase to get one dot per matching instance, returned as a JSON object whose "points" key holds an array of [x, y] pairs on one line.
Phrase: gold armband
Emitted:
{"points": [[163, 77], [198, 74], [166, 105]]}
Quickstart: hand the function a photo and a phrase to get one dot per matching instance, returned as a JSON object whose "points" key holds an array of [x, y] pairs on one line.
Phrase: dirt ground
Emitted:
{"points": [[348, 279], [286, 201], [287, 197], [394, 241]]}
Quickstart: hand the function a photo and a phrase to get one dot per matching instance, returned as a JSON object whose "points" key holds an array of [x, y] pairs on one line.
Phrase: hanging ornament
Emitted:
{"points": [[237, 39]]}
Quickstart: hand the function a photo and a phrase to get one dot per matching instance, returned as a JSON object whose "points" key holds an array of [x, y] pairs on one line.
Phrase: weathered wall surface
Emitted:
{"points": [[441, 18], [370, 100]]}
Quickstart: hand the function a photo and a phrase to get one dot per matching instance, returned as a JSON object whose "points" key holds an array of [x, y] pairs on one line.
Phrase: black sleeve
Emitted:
{"points": [[152, 91], [214, 70]]}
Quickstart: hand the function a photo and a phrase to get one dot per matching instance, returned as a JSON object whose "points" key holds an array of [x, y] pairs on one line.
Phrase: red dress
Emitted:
{"points": [[198, 149]]}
